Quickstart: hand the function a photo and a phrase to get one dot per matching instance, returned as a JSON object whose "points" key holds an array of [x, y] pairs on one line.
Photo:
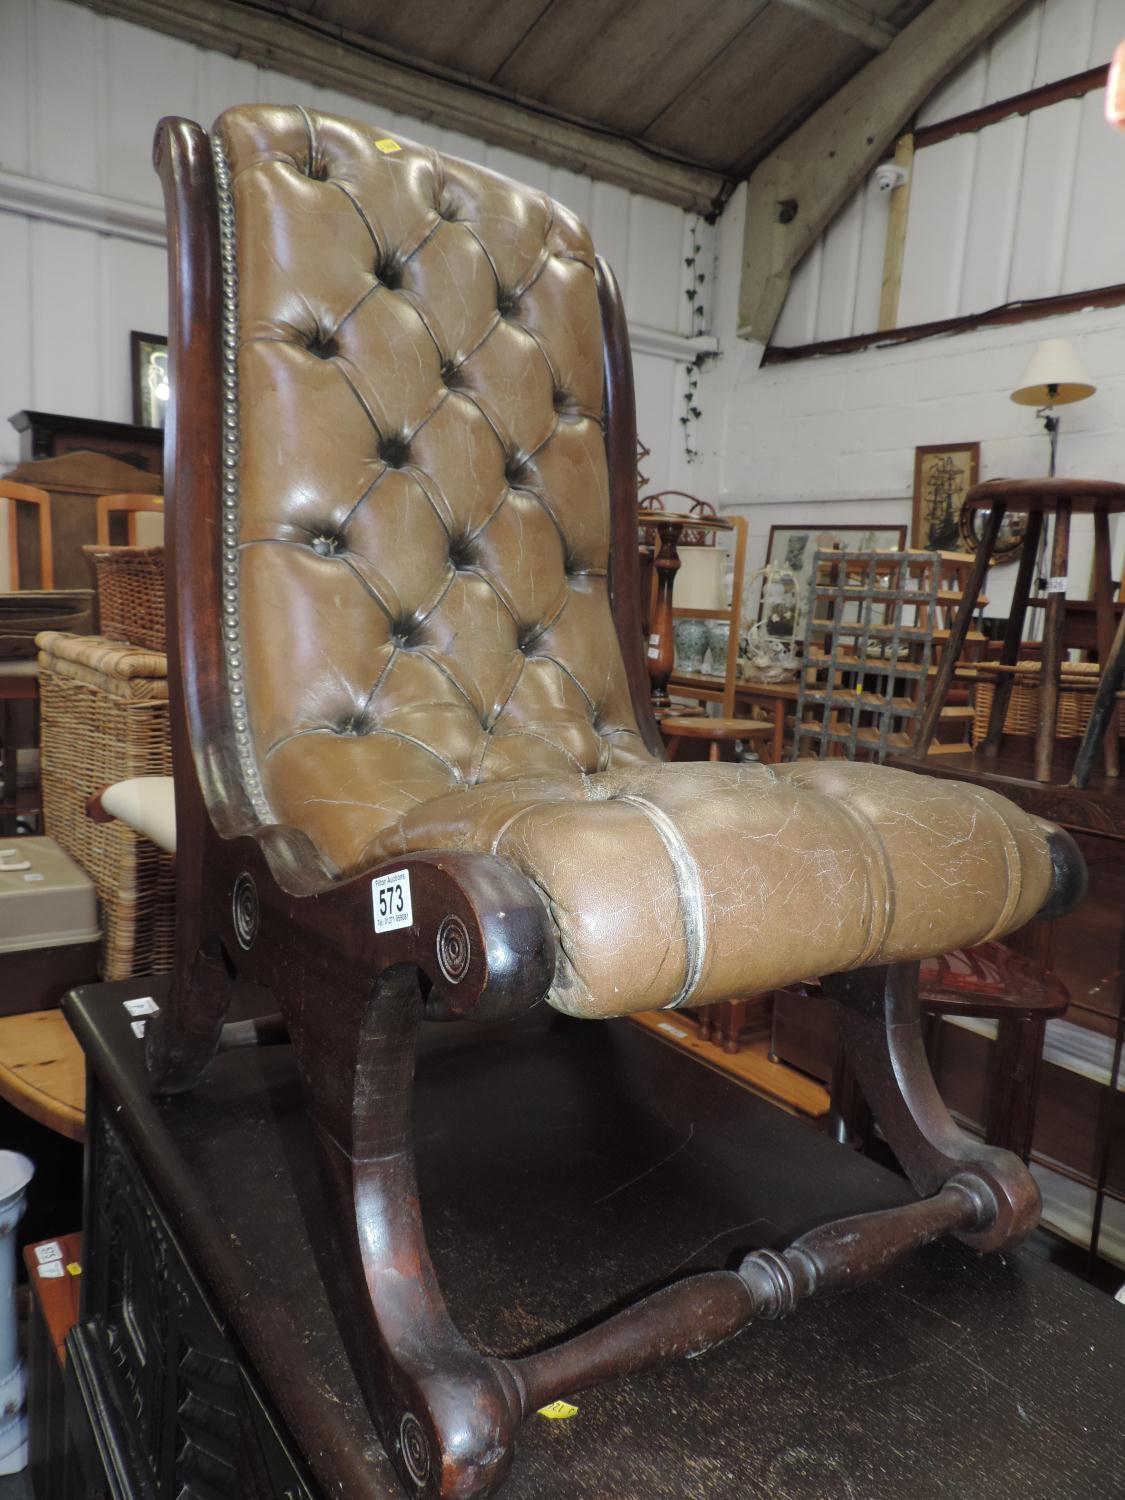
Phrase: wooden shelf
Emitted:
{"points": [[750, 1065]]}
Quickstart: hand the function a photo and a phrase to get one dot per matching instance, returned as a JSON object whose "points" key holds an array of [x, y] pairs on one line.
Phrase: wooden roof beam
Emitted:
{"points": [[850, 20], [795, 193], [346, 62]]}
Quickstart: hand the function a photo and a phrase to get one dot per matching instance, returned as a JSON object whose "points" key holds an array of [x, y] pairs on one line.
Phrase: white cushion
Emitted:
{"points": [[148, 805]]}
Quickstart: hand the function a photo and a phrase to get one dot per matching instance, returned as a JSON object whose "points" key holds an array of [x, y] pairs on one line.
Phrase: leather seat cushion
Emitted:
{"points": [[689, 883]]}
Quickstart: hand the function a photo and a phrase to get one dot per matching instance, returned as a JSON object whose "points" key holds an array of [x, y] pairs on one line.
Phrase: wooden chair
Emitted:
{"points": [[129, 505], [28, 494], [416, 768], [18, 681]]}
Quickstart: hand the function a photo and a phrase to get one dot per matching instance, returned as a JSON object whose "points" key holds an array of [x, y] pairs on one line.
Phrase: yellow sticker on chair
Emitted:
{"points": [[73, 1269], [387, 146], [558, 1411]]}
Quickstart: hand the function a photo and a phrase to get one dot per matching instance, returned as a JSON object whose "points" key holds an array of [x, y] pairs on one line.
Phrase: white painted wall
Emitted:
{"points": [[80, 95], [1022, 209], [834, 437]]}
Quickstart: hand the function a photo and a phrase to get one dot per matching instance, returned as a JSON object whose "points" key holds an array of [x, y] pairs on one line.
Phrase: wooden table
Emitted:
{"points": [[42, 1070], [984, 1378]]}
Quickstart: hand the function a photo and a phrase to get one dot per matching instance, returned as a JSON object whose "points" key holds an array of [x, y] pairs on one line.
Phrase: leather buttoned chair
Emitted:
{"points": [[416, 768]]}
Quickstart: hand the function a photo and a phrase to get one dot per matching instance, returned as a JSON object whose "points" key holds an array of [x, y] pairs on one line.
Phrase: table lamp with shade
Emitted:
{"points": [[1054, 376]]}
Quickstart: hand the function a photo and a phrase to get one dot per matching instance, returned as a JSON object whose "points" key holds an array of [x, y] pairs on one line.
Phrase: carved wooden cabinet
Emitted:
{"points": [[159, 1401]]}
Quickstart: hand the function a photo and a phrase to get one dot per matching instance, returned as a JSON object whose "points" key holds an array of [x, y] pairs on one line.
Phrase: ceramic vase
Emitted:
{"points": [[691, 644], [718, 637], [15, 1174]]}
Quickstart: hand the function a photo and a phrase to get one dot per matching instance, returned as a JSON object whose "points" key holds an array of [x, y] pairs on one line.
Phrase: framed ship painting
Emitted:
{"points": [[944, 473]]}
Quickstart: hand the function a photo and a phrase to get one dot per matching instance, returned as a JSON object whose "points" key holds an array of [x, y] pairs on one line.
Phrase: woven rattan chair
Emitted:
{"points": [[419, 773]]}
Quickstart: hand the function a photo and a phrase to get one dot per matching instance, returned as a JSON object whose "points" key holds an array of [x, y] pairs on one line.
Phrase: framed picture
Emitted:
{"points": [[944, 473], [793, 548], [151, 388]]}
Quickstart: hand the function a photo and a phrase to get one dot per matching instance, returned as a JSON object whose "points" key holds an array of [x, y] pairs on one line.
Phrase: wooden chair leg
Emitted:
{"points": [[1103, 604], [879, 1017], [1105, 700], [1013, 633], [939, 688], [1052, 643], [184, 1036], [443, 1411]]}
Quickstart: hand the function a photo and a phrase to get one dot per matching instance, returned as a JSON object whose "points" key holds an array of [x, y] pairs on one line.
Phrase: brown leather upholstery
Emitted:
{"points": [[429, 656]]}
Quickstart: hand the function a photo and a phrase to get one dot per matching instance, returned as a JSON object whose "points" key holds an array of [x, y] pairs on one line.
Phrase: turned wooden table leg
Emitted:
{"points": [[662, 639], [1052, 643], [1013, 633]]}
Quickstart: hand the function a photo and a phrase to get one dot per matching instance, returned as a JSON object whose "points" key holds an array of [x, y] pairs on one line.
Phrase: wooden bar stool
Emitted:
{"points": [[1061, 498], [718, 733]]}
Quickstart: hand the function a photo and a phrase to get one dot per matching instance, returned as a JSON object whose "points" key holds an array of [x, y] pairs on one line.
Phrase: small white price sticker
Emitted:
{"points": [[654, 639], [390, 899], [137, 1028], [143, 1005], [654, 651], [1056, 585], [35, 876], [48, 1252], [53, 1270]]}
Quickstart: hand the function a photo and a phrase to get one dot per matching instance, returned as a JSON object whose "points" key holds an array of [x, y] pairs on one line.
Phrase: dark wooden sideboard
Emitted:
{"points": [[562, 1165], [45, 434]]}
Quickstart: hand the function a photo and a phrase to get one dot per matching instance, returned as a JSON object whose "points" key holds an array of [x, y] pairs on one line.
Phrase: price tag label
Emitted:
{"points": [[558, 1411], [390, 898], [1056, 585], [35, 876], [137, 1028], [46, 1253], [143, 1005], [52, 1271]]}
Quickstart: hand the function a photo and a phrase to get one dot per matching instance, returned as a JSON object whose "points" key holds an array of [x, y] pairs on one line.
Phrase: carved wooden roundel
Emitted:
{"points": [[415, 1449], [244, 910], [453, 949]]}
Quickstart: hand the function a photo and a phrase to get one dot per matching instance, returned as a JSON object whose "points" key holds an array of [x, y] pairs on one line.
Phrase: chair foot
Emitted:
{"points": [[446, 1414], [880, 1025]]}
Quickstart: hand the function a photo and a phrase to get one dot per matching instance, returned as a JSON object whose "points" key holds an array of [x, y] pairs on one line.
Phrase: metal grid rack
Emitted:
{"points": [[869, 646]]}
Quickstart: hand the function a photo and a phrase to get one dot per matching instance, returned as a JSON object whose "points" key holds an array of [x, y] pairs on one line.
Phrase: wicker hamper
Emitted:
{"points": [[1022, 716], [130, 594], [104, 716]]}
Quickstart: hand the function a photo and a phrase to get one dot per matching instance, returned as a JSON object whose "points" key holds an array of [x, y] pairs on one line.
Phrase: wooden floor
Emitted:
{"points": [[750, 1066]]}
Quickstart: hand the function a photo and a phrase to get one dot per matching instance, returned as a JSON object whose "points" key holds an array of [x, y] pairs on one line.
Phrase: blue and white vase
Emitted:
{"points": [[691, 644], [718, 638]]}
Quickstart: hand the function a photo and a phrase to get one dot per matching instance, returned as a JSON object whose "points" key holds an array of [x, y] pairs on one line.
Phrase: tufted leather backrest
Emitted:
{"points": [[419, 598]]}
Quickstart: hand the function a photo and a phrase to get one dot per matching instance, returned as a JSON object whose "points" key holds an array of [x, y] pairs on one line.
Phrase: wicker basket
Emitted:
{"points": [[130, 594], [1022, 716], [103, 717]]}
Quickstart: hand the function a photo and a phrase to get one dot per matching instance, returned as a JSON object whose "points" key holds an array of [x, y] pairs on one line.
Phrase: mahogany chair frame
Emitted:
{"points": [[29, 494], [257, 904], [132, 505]]}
